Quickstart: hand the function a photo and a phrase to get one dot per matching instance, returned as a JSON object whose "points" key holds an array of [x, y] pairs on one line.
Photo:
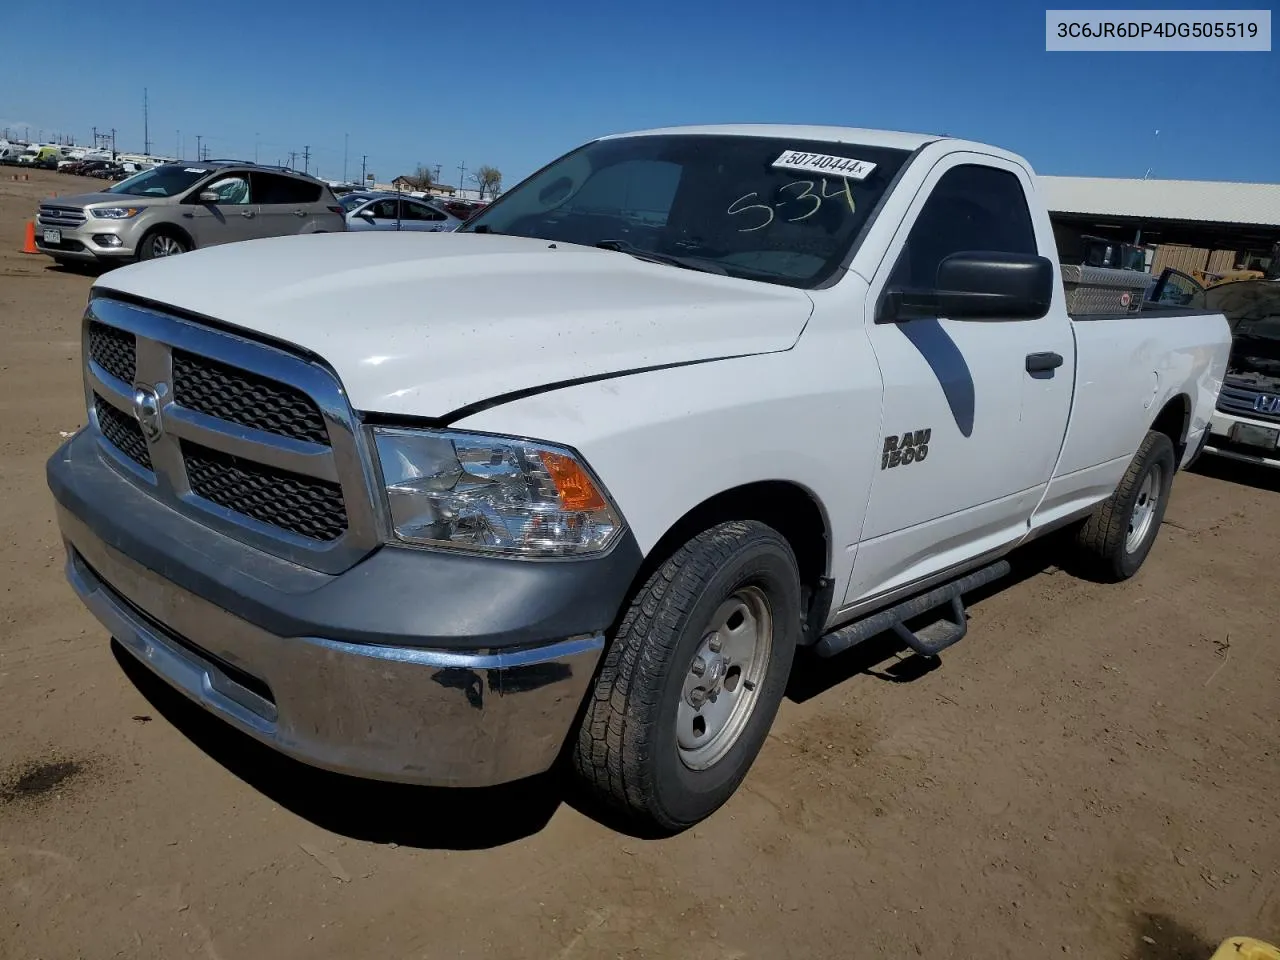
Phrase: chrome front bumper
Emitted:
{"points": [[1221, 443], [446, 718]]}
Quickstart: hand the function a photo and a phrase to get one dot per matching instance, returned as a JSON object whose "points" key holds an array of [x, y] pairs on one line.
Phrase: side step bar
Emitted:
{"points": [[928, 641]]}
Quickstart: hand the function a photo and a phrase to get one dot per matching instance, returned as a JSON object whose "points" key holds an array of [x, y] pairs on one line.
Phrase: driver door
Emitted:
{"points": [[974, 414], [232, 217]]}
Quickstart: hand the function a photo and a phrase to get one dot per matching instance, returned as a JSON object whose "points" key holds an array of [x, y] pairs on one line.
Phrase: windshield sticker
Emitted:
{"points": [[823, 163]]}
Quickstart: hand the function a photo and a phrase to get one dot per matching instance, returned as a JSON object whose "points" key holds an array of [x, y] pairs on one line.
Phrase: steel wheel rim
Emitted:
{"points": [[1144, 509], [163, 246], [722, 683]]}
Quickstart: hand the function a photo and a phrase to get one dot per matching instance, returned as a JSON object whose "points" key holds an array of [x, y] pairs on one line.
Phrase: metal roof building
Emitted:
{"points": [[1189, 200], [1188, 224]]}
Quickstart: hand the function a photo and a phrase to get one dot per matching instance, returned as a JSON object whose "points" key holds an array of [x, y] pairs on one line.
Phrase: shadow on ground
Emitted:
{"points": [[412, 816], [1157, 937], [1238, 472]]}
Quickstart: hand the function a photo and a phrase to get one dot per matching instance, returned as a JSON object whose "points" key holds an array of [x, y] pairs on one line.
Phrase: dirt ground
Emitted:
{"points": [[1092, 772]]}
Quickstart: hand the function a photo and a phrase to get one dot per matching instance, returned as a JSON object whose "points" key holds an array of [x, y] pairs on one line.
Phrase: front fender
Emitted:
{"points": [[665, 441]]}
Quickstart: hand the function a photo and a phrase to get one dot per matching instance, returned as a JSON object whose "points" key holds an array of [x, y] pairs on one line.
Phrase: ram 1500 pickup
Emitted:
{"points": [[577, 481]]}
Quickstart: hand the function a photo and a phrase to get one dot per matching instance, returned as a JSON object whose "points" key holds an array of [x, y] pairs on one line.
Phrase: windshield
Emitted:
{"points": [[783, 211], [167, 181], [352, 200]]}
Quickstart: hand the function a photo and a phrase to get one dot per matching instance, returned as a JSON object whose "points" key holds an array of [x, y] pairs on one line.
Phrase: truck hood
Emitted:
{"points": [[427, 324]]}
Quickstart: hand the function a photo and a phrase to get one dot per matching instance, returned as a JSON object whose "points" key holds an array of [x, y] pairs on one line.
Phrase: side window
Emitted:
{"points": [[230, 190], [420, 211], [382, 210], [275, 188], [972, 207]]}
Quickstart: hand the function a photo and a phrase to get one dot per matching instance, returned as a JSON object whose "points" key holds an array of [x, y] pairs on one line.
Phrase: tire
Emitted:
{"points": [[1116, 539], [639, 747], [162, 243]]}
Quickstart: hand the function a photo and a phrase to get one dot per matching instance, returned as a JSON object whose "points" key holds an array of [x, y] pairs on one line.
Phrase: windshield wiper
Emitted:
{"points": [[687, 263]]}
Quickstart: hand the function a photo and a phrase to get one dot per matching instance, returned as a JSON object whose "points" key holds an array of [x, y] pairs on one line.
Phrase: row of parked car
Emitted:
{"points": [[176, 207]]}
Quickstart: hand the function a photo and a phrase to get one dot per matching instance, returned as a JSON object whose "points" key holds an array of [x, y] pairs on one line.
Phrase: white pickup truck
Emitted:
{"points": [[577, 481]]}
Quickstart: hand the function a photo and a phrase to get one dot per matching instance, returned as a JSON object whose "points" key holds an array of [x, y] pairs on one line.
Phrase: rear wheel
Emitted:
{"points": [[1116, 539], [693, 679], [162, 243]]}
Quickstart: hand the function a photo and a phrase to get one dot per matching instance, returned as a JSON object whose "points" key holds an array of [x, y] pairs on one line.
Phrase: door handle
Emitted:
{"points": [[248, 214], [299, 213], [1037, 362]]}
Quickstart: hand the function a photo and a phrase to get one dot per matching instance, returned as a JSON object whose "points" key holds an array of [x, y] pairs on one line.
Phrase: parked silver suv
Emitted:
{"points": [[181, 206]]}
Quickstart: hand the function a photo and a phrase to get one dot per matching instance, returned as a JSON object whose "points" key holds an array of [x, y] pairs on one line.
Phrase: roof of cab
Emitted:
{"points": [[871, 138], [893, 139]]}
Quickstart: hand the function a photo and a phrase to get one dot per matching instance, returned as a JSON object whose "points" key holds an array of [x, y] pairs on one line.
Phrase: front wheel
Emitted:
{"points": [[1121, 531], [691, 683], [162, 244]]}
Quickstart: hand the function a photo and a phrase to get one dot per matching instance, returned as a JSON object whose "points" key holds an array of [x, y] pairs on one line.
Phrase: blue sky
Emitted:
{"points": [[513, 84]]}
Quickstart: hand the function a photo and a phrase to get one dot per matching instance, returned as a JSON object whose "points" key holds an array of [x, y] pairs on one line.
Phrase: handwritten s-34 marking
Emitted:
{"points": [[769, 212]]}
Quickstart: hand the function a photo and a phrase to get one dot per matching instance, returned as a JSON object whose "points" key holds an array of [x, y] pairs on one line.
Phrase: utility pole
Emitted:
{"points": [[344, 158], [146, 125], [113, 143], [95, 138], [292, 154], [177, 144], [462, 176], [363, 161], [306, 159], [198, 154], [437, 179], [255, 147]]}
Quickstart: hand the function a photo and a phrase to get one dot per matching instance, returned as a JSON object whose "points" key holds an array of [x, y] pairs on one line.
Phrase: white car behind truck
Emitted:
{"points": [[578, 480]]}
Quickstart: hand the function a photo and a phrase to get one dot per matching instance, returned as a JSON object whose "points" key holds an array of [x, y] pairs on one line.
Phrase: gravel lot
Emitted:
{"points": [[1092, 772]]}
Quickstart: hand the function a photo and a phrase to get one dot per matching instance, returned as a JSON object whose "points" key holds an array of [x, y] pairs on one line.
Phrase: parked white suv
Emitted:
{"points": [[587, 473]]}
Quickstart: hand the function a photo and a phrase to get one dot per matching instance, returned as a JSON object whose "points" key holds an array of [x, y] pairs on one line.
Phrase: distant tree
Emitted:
{"points": [[421, 179], [488, 179]]}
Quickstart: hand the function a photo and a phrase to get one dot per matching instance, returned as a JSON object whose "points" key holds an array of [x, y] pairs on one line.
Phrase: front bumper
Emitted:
{"points": [[282, 660], [82, 243], [1223, 442]]}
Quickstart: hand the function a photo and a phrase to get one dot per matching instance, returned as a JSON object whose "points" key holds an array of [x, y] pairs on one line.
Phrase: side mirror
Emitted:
{"points": [[365, 215], [976, 285], [208, 196]]}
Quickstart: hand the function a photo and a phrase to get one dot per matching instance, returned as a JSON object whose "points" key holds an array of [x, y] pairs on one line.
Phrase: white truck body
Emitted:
{"points": [[927, 448]]}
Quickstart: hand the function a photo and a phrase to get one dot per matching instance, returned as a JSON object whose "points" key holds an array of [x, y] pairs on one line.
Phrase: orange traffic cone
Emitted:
{"points": [[29, 244]]}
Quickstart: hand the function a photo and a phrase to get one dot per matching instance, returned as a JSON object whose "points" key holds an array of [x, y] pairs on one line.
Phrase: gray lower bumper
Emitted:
{"points": [[448, 718]]}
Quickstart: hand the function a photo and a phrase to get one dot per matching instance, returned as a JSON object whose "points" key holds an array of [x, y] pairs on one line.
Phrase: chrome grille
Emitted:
{"points": [[115, 351], [57, 216], [244, 437], [240, 397], [302, 505], [123, 432], [1244, 402]]}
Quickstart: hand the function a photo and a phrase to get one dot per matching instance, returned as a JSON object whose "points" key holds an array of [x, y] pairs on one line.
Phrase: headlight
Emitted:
{"points": [[493, 494], [115, 213]]}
